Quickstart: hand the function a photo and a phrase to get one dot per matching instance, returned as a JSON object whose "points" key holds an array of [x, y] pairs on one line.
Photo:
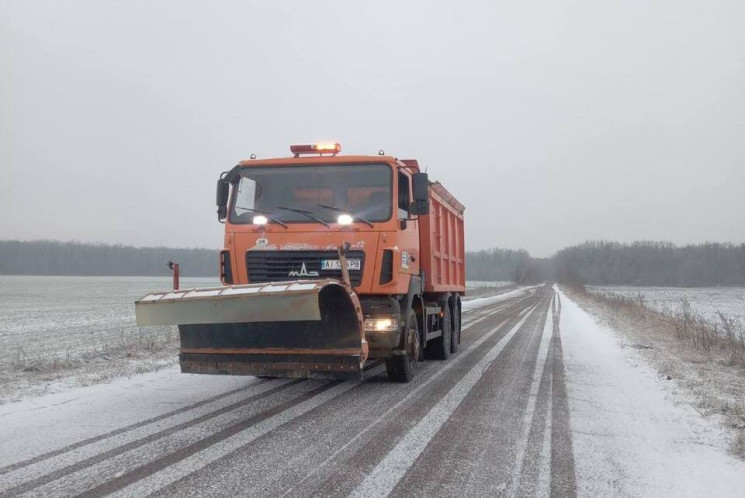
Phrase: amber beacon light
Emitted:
{"points": [[324, 148]]}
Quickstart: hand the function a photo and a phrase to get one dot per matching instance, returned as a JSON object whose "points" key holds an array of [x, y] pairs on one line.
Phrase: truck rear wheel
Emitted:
{"points": [[440, 346], [455, 341], [401, 367]]}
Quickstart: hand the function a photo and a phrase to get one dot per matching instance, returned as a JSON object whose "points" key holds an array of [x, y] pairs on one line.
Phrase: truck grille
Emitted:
{"points": [[278, 266]]}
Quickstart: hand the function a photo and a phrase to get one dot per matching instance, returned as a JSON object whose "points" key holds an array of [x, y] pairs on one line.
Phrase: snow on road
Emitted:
{"points": [[61, 419], [492, 300], [631, 437], [394, 466]]}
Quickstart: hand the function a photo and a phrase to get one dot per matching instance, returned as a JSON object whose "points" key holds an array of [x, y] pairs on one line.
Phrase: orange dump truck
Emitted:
{"points": [[331, 263]]}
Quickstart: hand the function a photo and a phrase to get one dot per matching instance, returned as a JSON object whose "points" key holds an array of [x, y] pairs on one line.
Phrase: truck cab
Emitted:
{"points": [[286, 218]]}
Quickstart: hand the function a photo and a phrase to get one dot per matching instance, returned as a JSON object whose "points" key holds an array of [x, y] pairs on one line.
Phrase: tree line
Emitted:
{"points": [[645, 263], [594, 262], [506, 265], [46, 257], [651, 264]]}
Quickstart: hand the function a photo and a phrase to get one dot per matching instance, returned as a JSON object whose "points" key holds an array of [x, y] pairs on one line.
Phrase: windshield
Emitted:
{"points": [[300, 193]]}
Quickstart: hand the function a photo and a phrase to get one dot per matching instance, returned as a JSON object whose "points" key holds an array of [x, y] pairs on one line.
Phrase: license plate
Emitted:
{"points": [[334, 264]]}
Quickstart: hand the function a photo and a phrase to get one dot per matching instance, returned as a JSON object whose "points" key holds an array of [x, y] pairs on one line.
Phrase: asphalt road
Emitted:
{"points": [[492, 420]]}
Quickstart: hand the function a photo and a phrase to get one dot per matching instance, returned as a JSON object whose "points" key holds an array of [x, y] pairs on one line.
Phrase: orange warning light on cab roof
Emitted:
{"points": [[323, 148]]}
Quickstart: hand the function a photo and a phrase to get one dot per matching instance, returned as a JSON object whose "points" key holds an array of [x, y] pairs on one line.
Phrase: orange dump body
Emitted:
{"points": [[441, 241]]}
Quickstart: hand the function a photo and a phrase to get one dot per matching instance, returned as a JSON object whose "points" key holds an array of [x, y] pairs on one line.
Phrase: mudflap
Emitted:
{"points": [[307, 329]]}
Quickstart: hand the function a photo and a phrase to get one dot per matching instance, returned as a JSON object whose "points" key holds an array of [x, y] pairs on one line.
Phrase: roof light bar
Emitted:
{"points": [[321, 149]]}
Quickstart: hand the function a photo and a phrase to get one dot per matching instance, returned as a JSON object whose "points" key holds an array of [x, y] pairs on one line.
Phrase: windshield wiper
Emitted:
{"points": [[353, 215], [307, 214], [272, 218]]}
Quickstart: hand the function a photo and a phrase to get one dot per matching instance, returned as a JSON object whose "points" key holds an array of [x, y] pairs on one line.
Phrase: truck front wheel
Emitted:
{"points": [[401, 367]]}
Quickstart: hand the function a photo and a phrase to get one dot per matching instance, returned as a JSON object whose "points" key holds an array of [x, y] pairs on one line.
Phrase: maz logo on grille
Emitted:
{"points": [[303, 272]]}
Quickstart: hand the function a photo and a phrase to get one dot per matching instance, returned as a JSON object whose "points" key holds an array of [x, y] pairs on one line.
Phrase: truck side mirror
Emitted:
{"points": [[420, 187], [223, 190], [420, 184], [419, 207]]}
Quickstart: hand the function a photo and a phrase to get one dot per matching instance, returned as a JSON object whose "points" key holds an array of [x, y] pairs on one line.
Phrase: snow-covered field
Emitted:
{"points": [[63, 316], [707, 301]]}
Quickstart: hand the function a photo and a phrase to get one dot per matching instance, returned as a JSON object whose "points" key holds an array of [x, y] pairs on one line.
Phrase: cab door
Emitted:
{"points": [[409, 227]]}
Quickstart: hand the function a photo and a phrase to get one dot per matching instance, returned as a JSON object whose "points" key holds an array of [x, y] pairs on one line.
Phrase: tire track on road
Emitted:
{"points": [[95, 439], [472, 453], [54, 475], [152, 467], [542, 359], [387, 474], [563, 478], [346, 472], [535, 478], [500, 307], [174, 467]]}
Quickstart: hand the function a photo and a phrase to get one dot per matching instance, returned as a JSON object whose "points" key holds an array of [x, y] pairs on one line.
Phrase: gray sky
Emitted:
{"points": [[552, 121]]}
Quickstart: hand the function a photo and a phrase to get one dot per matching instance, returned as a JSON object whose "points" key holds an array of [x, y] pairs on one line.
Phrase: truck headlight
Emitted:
{"points": [[381, 323], [344, 219]]}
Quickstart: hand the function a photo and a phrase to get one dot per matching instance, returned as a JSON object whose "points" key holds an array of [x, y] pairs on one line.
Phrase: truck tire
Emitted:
{"points": [[402, 367], [440, 346], [455, 341]]}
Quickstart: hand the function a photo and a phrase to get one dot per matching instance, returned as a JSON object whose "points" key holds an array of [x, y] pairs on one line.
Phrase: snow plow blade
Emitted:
{"points": [[308, 329]]}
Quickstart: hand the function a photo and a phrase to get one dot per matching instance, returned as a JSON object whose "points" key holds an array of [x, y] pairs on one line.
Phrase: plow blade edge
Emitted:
{"points": [[310, 328]]}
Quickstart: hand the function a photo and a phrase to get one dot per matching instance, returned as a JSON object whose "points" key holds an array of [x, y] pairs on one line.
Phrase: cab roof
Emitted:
{"points": [[325, 159]]}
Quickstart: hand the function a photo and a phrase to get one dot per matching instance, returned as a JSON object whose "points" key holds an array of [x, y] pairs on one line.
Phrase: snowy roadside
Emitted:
{"points": [[84, 370], [635, 432], [712, 379]]}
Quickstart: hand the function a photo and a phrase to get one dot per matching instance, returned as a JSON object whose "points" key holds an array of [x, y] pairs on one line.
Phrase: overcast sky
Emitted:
{"points": [[552, 121]]}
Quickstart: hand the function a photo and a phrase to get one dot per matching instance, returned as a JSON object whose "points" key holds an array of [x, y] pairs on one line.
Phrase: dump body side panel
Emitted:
{"points": [[441, 239]]}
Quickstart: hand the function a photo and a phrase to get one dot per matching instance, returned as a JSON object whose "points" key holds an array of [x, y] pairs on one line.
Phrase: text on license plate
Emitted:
{"points": [[334, 264]]}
